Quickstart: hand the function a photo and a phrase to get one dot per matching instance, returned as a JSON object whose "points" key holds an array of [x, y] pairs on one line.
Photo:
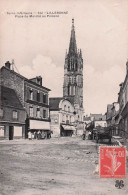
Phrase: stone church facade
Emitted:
{"points": [[73, 79]]}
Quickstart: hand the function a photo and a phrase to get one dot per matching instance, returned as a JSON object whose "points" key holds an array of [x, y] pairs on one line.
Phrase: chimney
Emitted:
{"points": [[7, 64], [39, 80]]}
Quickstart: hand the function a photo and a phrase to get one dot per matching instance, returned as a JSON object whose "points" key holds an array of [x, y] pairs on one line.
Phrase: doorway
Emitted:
{"points": [[10, 132]]}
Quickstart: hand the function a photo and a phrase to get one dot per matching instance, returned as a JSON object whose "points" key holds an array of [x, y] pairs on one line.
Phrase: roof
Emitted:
{"points": [[98, 117], [25, 79], [9, 98], [86, 118], [54, 103]]}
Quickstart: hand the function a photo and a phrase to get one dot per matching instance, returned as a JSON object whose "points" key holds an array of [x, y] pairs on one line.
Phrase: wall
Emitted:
{"points": [[66, 112], [55, 123], [12, 80], [7, 115], [33, 102], [100, 123]]}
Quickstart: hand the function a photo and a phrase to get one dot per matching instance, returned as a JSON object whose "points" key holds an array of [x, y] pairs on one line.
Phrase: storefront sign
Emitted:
{"points": [[35, 124]]}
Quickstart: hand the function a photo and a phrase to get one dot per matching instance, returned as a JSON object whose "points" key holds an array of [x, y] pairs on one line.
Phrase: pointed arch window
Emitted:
{"points": [[74, 90]]}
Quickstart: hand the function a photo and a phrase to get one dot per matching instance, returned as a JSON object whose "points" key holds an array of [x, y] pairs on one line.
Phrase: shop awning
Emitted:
{"points": [[68, 127], [42, 125]]}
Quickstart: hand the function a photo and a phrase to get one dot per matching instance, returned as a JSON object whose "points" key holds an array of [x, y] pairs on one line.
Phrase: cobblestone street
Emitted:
{"points": [[56, 166]]}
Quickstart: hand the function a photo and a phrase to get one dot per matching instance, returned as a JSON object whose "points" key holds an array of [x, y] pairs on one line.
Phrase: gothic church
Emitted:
{"points": [[73, 78]]}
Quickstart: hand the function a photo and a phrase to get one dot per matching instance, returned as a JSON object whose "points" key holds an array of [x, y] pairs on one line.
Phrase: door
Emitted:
{"points": [[10, 132]]}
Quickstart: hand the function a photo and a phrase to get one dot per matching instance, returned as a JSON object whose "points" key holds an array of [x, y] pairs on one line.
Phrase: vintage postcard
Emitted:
{"points": [[64, 97]]}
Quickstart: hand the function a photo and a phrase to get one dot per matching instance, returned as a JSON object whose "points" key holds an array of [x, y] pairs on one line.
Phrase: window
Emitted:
{"points": [[68, 108], [44, 113], [74, 90], [70, 90], [1, 112], [44, 98], [1, 131], [70, 119], [31, 94], [15, 115], [64, 107], [38, 96], [63, 118], [67, 121], [38, 112], [31, 111]]}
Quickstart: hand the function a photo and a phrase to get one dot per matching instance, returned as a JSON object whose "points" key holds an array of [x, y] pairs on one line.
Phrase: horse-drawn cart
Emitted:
{"points": [[102, 133]]}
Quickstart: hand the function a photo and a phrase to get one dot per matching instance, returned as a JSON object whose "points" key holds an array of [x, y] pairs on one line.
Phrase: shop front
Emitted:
{"points": [[67, 130], [38, 129], [12, 131]]}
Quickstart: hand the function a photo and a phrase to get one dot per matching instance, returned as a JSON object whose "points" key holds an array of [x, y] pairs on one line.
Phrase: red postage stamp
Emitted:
{"points": [[112, 162]]}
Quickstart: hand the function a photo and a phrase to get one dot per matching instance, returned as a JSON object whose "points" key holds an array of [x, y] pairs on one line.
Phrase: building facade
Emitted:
{"points": [[123, 106], [37, 106], [12, 115], [95, 121], [112, 117], [62, 117], [33, 96], [73, 78]]}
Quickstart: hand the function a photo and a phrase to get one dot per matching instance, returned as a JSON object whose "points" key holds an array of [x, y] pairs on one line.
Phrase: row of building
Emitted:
{"points": [[95, 120], [25, 105], [117, 112]]}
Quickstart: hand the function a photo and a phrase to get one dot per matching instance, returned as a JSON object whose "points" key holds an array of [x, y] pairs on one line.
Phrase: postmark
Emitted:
{"points": [[112, 162]]}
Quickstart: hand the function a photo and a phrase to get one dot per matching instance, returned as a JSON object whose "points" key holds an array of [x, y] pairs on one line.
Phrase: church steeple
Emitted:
{"points": [[73, 77], [72, 45], [73, 72]]}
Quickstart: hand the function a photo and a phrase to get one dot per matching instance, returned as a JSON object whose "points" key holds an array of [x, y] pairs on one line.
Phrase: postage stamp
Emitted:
{"points": [[112, 162]]}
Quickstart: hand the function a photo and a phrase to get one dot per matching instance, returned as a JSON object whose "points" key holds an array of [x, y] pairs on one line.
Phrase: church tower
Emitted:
{"points": [[73, 76]]}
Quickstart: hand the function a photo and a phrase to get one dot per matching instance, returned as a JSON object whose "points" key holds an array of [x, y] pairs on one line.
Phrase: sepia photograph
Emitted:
{"points": [[64, 97]]}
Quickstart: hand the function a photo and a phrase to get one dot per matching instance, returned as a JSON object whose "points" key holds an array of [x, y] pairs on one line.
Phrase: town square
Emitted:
{"points": [[64, 98]]}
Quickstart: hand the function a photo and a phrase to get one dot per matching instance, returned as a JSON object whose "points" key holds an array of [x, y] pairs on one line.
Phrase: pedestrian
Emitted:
{"points": [[39, 135], [35, 135], [29, 135]]}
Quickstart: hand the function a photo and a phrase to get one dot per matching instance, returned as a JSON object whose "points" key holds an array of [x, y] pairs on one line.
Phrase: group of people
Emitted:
{"points": [[35, 135]]}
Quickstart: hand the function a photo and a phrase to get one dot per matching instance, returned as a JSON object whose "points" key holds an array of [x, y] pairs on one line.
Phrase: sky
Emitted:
{"points": [[38, 44]]}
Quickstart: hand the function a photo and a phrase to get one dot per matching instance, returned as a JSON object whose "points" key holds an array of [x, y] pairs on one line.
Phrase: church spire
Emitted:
{"points": [[72, 45]]}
